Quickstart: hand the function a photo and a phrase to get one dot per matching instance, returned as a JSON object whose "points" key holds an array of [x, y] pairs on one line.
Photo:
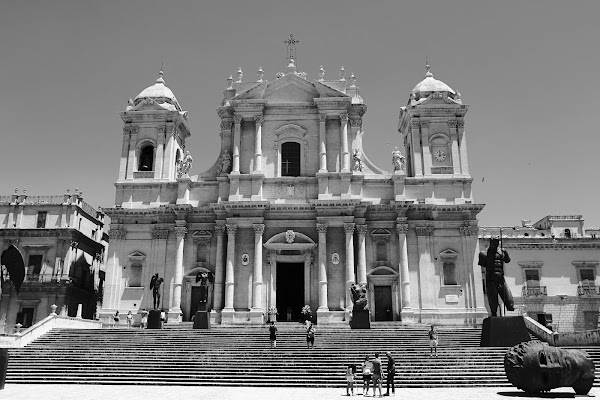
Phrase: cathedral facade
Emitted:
{"points": [[292, 212]]}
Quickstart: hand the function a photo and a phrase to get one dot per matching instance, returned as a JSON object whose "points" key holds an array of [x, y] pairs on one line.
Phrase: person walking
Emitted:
{"points": [[390, 373], [144, 321], [310, 336], [433, 341], [367, 370], [129, 319], [116, 319], [377, 374], [273, 335]]}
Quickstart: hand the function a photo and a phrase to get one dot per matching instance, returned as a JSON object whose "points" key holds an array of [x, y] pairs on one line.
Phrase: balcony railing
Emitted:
{"points": [[534, 291], [588, 290]]}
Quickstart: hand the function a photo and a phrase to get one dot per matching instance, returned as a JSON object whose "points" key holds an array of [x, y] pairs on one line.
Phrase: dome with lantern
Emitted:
{"points": [[429, 86], [158, 93]]}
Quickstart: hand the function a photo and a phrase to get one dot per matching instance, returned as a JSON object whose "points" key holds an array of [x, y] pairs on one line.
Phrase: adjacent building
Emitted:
{"points": [[63, 243], [553, 270], [292, 212]]}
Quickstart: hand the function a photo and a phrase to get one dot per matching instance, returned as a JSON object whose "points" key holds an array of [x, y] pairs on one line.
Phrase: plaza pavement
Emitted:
{"points": [[134, 392]]}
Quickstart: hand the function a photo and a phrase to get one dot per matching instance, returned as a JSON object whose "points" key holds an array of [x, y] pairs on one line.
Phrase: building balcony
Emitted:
{"points": [[588, 290], [534, 291]]}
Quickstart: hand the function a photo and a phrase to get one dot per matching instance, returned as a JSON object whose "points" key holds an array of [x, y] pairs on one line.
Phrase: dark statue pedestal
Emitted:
{"points": [[154, 321], [3, 366], [202, 320], [503, 331], [360, 320]]}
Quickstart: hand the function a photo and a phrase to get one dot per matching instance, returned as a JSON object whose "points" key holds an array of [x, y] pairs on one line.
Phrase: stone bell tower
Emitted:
{"points": [[154, 137], [432, 125]]}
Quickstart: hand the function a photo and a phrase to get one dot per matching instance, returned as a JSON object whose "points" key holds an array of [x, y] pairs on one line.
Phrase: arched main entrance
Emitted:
{"points": [[290, 256]]}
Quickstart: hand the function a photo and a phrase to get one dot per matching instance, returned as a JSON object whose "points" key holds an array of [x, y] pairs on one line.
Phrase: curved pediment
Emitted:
{"points": [[383, 270], [288, 131], [290, 240]]}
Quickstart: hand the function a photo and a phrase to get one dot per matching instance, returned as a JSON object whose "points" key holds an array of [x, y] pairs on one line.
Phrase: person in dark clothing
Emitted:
{"points": [[391, 372], [273, 335]]}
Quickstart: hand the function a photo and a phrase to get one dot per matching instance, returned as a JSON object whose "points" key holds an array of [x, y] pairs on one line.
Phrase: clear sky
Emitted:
{"points": [[528, 70]]}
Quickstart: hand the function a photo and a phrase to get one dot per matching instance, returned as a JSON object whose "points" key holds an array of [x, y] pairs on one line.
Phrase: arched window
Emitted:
{"points": [[290, 159], [134, 275], [146, 158]]}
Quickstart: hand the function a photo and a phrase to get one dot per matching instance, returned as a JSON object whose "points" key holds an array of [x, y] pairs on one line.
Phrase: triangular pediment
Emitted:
{"points": [[449, 253], [290, 89]]}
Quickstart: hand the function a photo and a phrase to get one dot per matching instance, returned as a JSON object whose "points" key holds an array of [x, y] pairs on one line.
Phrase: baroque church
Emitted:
{"points": [[292, 212]]}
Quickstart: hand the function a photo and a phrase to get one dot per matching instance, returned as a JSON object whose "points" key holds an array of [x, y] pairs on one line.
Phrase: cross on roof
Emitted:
{"points": [[291, 47]]}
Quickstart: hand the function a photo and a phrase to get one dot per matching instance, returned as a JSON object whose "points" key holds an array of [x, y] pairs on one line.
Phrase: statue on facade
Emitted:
{"points": [[359, 297], [536, 367], [225, 163], [397, 160], [204, 278], [184, 165], [493, 260], [356, 157], [155, 283]]}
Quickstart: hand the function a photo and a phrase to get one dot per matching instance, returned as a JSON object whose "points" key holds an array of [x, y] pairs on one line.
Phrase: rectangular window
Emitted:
{"points": [[35, 265], [450, 273], [588, 276], [532, 277], [41, 219], [290, 159]]}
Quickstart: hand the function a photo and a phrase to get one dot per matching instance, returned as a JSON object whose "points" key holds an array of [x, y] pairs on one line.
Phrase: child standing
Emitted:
{"points": [[350, 371], [433, 341], [273, 335]]}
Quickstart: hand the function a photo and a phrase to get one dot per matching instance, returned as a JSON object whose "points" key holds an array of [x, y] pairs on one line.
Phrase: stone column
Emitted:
{"points": [[180, 232], [349, 230], [402, 229], [344, 140], [161, 130], [416, 148], [237, 119], [258, 119], [272, 283], [133, 132], [426, 149], [361, 268], [322, 143], [452, 124], [219, 279], [229, 268], [322, 229], [462, 138], [258, 264], [427, 272]]}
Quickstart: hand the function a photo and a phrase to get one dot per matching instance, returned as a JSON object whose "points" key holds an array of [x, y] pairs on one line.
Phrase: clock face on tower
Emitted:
{"points": [[439, 155]]}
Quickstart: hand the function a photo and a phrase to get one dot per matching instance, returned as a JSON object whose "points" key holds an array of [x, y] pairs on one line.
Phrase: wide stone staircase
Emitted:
{"points": [[229, 356]]}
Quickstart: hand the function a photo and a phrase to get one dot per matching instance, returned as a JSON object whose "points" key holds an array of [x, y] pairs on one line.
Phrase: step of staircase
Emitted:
{"points": [[231, 356]]}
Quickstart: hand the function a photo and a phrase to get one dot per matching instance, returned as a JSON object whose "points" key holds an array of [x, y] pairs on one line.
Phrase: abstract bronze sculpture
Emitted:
{"points": [[536, 367]]}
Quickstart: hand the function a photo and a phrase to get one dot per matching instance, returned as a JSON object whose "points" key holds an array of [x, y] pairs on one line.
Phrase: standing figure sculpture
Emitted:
{"points": [[204, 278], [358, 166], [397, 160], [493, 260], [155, 283]]}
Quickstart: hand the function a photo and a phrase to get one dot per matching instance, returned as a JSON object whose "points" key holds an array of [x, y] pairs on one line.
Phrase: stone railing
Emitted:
{"points": [[442, 170], [57, 199], [588, 290], [44, 326], [534, 291], [582, 338], [91, 211], [143, 174]]}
